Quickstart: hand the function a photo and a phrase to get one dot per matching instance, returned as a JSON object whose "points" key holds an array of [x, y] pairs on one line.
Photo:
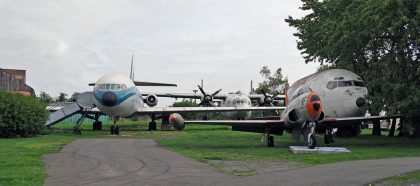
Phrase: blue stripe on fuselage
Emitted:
{"points": [[122, 95]]}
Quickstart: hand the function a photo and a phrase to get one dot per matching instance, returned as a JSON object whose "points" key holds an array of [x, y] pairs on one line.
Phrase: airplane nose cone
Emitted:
{"points": [[360, 102], [316, 106], [109, 99]]}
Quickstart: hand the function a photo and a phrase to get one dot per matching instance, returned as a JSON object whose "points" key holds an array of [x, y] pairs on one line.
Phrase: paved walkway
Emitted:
{"points": [[143, 162]]}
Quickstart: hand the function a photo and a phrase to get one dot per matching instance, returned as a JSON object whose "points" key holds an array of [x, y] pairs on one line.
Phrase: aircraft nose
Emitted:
{"points": [[109, 99], [360, 102]]}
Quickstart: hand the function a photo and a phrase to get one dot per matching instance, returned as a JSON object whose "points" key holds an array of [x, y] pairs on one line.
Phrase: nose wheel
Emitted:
{"points": [[310, 135], [115, 129]]}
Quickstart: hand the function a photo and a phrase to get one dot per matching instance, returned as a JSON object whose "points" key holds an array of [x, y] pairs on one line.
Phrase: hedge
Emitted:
{"points": [[21, 116]]}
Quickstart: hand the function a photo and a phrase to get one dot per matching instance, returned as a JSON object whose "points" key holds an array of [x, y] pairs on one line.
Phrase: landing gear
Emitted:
{"points": [[310, 135], [97, 125], [115, 130], [328, 137], [269, 139], [152, 124], [76, 130]]}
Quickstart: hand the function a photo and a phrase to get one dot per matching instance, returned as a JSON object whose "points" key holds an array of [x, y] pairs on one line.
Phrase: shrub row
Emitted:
{"points": [[21, 116]]}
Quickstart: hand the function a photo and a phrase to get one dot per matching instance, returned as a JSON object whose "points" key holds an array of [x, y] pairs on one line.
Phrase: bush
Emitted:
{"points": [[21, 116]]}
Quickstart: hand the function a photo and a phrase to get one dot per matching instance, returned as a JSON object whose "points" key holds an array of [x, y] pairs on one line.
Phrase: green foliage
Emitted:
{"points": [[273, 83], [378, 40], [45, 97], [21, 116], [61, 98], [188, 103]]}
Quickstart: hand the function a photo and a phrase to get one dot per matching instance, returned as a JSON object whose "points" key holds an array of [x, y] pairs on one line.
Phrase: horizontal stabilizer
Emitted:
{"points": [[143, 83]]}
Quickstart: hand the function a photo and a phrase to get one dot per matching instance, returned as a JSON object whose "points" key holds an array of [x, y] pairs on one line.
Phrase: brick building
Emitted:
{"points": [[14, 80]]}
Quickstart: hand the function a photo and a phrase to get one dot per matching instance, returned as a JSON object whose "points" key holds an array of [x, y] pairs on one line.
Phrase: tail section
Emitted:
{"points": [[132, 69]]}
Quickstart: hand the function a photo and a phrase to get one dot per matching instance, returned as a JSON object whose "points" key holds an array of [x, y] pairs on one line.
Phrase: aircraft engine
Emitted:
{"points": [[177, 121], [293, 117], [151, 100]]}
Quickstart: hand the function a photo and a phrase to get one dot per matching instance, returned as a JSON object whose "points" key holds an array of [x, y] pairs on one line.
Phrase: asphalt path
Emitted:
{"points": [[143, 162]]}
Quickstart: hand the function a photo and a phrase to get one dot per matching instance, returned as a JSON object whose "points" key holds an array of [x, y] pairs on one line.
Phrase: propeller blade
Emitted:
{"points": [[201, 90], [215, 93], [265, 95]]}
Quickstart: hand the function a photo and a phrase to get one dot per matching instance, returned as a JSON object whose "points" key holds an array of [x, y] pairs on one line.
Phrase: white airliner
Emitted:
{"points": [[328, 99]]}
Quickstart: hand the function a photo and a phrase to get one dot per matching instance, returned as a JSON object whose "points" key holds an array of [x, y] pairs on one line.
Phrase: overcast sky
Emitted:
{"points": [[64, 45]]}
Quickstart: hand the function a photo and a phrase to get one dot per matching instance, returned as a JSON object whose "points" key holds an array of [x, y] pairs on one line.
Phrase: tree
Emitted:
{"points": [[379, 40], [45, 97], [61, 98], [188, 103], [273, 83], [73, 97]]}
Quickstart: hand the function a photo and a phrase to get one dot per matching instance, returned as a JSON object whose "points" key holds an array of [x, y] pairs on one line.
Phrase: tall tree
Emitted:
{"points": [[273, 83], [376, 39], [45, 97], [61, 98]]}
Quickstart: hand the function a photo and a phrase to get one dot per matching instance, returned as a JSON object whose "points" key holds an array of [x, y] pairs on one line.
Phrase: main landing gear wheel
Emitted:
{"points": [[270, 141], [152, 126], [328, 137]]}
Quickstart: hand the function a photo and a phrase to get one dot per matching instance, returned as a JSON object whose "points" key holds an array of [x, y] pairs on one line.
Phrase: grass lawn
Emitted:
{"points": [[21, 163]]}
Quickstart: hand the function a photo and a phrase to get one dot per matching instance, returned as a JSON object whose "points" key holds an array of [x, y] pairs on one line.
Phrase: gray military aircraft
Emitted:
{"points": [[227, 100], [328, 99]]}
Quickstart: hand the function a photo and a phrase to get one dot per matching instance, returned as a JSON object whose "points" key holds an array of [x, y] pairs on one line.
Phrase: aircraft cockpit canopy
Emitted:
{"points": [[110, 86], [345, 83], [301, 91]]}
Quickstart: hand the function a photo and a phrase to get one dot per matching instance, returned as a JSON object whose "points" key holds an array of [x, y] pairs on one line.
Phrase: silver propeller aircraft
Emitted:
{"points": [[328, 99], [227, 100]]}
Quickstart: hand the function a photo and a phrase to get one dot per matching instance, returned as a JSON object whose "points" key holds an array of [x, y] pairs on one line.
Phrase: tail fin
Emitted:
{"points": [[132, 69]]}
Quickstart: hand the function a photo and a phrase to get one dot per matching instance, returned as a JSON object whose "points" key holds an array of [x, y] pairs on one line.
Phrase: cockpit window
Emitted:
{"points": [[359, 84], [301, 91], [334, 84], [111, 86]]}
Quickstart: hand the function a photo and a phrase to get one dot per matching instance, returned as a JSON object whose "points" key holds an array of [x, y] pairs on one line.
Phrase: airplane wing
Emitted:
{"points": [[349, 121], [182, 95], [144, 83], [240, 123], [160, 110], [258, 96]]}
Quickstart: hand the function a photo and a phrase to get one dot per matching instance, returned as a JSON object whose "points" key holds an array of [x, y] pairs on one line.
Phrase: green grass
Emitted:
{"points": [[411, 178], [21, 163]]}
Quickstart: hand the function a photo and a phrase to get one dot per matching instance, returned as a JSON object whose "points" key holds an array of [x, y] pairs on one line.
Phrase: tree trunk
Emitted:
{"points": [[392, 130], [401, 133], [376, 128]]}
